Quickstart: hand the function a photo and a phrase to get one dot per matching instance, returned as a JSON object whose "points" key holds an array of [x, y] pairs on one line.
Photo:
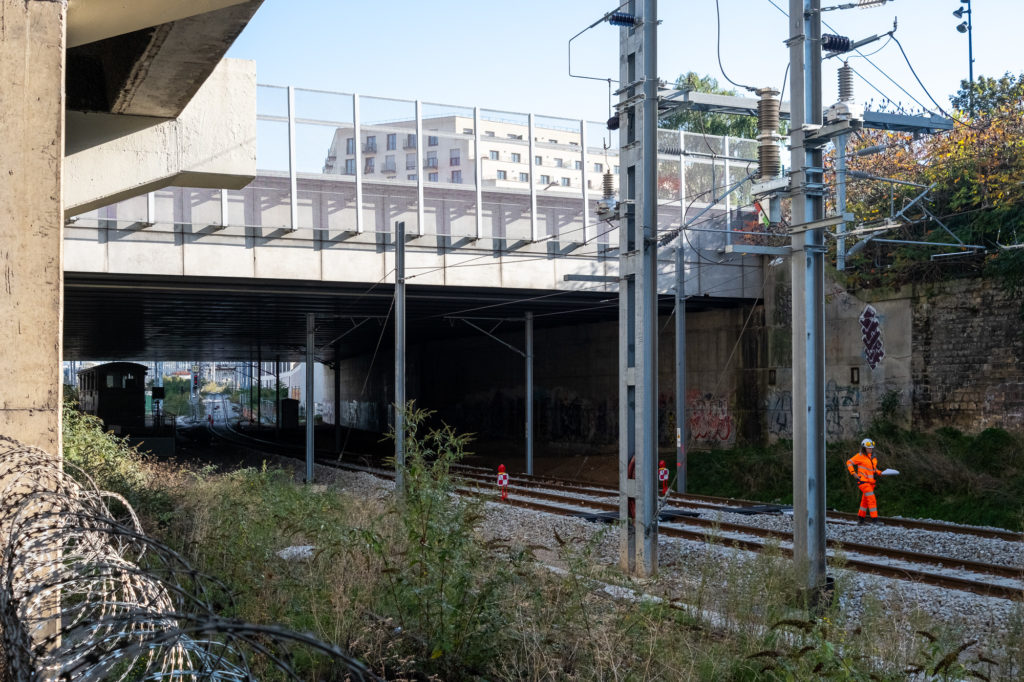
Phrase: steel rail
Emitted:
{"points": [[918, 524]]}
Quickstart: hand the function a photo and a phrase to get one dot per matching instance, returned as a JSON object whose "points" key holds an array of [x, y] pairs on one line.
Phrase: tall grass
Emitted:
{"points": [[412, 584]]}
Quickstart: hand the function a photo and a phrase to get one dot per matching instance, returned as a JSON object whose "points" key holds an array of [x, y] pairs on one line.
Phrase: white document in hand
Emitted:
{"points": [[890, 472]]}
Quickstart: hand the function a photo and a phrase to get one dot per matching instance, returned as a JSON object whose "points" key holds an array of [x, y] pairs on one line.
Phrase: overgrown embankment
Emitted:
{"points": [[413, 586], [944, 475]]}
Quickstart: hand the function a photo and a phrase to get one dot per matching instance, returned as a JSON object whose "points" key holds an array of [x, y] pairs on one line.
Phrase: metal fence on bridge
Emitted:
{"points": [[338, 170]]}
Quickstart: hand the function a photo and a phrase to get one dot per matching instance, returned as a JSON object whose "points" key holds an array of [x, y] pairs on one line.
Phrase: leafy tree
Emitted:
{"points": [[987, 95], [976, 174], [702, 122]]}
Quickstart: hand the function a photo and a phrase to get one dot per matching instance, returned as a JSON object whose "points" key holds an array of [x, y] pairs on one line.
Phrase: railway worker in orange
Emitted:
{"points": [[864, 467]]}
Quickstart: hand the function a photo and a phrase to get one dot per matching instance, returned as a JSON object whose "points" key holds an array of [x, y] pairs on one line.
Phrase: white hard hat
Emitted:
{"points": [[867, 443]]}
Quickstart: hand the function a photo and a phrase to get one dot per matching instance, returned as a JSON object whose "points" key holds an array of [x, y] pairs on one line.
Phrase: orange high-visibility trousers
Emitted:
{"points": [[867, 501]]}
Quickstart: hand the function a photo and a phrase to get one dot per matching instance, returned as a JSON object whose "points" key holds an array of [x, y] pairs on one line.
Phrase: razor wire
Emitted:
{"points": [[85, 595]]}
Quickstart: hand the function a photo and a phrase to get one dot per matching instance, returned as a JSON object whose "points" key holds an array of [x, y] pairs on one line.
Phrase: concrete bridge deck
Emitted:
{"points": [[308, 236]]}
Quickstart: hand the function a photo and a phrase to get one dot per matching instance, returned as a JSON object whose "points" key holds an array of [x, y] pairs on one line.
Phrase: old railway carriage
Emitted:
{"points": [[116, 393]]}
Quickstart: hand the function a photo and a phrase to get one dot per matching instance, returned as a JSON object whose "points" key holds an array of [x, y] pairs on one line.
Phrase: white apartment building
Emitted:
{"points": [[556, 162]]}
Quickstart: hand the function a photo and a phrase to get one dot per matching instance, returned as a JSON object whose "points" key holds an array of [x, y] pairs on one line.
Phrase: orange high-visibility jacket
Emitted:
{"points": [[863, 468]]}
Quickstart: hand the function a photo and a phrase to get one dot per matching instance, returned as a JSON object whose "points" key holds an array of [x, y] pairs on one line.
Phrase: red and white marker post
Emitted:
{"points": [[663, 477], [503, 481]]}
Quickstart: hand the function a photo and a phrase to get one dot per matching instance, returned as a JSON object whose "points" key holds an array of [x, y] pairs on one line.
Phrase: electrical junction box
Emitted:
{"points": [[844, 111]]}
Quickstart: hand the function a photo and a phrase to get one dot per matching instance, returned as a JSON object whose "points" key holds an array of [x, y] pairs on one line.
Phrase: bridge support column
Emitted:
{"points": [[31, 220]]}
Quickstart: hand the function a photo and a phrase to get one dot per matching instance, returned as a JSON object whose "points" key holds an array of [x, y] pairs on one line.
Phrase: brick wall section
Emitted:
{"points": [[968, 358]]}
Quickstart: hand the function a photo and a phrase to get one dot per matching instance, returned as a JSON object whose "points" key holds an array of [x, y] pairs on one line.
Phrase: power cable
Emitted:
{"points": [[718, 50]]}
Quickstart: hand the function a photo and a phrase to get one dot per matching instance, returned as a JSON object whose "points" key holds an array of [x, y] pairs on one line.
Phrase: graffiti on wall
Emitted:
{"points": [[708, 419], [783, 313], [871, 335], [842, 412], [779, 411]]}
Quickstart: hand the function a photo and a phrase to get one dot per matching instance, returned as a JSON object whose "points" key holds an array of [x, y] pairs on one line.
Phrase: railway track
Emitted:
{"points": [[720, 503], [683, 517]]}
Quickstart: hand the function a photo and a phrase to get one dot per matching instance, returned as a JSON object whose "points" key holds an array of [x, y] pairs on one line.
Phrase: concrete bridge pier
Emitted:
{"points": [[32, 57]]}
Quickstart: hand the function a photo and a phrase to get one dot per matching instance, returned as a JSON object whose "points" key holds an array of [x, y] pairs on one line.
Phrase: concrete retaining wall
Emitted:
{"points": [[477, 385]]}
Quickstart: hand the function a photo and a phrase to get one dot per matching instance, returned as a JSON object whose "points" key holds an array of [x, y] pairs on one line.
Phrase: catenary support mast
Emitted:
{"points": [[808, 273], [638, 341]]}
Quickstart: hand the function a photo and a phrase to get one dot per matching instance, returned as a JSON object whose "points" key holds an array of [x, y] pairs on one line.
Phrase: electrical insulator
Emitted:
{"points": [[606, 205], [621, 19], [768, 159], [834, 43], [845, 83]]}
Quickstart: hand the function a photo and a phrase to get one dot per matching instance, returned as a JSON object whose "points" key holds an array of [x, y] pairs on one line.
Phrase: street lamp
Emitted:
{"points": [[965, 27]]}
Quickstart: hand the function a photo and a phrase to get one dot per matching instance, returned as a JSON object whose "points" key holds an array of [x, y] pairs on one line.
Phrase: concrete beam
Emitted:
{"points": [[212, 144], [92, 20], [31, 267], [156, 70]]}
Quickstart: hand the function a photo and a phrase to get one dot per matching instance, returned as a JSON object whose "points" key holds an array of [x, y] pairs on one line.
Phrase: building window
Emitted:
{"points": [[350, 166], [616, 171], [457, 177], [538, 161], [553, 141], [579, 165], [516, 157], [488, 133], [410, 162], [431, 140], [454, 158], [513, 136], [558, 163], [524, 177], [368, 166], [389, 164], [545, 179], [432, 177], [410, 141], [502, 175], [371, 144], [467, 131], [350, 145], [565, 182], [431, 160], [410, 176], [492, 155], [599, 168], [392, 141]]}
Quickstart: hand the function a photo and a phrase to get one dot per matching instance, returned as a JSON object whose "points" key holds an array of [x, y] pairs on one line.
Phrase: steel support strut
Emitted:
{"points": [[400, 356], [310, 392], [638, 341]]}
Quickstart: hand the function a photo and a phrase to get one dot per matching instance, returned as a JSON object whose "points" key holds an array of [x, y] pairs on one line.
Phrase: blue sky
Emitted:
{"points": [[514, 55]]}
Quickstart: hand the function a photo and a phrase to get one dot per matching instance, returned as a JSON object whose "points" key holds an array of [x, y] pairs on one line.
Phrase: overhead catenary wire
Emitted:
{"points": [[718, 49]]}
